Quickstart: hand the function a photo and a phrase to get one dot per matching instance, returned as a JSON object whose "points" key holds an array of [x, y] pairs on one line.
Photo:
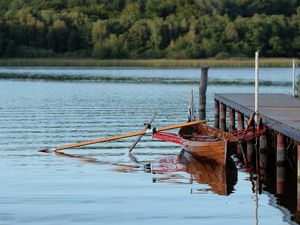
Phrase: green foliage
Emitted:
{"points": [[26, 51], [179, 29], [110, 48]]}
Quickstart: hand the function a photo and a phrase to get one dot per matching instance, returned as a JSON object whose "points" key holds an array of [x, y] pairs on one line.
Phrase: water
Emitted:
{"points": [[100, 184]]}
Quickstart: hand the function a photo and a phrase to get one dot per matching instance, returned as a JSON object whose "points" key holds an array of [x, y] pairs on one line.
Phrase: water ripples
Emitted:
{"points": [[136, 80], [102, 179]]}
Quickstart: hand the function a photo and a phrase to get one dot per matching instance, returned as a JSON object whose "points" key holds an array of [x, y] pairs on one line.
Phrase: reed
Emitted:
{"points": [[160, 63]]}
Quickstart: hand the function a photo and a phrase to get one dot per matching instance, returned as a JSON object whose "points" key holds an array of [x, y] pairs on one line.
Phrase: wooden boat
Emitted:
{"points": [[203, 141], [209, 142]]}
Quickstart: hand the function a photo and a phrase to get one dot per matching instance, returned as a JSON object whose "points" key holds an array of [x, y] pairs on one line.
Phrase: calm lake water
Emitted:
{"points": [[101, 184]]}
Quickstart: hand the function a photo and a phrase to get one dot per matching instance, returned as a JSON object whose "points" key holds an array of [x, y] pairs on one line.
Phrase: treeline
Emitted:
{"points": [[178, 29]]}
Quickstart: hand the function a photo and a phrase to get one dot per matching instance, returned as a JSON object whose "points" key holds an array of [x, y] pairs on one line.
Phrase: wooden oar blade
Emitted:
{"points": [[135, 143], [147, 126], [46, 150]]}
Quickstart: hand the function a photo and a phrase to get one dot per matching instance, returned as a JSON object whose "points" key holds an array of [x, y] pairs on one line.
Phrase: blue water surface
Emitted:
{"points": [[100, 184]]}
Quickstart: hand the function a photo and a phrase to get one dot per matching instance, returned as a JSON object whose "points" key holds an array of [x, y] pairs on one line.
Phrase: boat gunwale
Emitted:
{"points": [[217, 132]]}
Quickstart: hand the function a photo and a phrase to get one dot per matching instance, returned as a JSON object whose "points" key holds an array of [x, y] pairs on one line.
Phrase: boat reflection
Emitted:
{"points": [[174, 169], [221, 179], [118, 167]]}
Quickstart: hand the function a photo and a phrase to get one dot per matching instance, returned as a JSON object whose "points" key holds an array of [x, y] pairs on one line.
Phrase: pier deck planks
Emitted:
{"points": [[280, 112]]}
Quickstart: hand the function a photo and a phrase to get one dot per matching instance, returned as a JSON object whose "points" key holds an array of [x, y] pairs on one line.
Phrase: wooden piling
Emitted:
{"points": [[280, 170], [223, 117], [240, 121], [231, 119], [280, 148], [250, 143], [202, 92], [217, 114], [250, 150], [298, 177], [280, 179], [240, 126], [263, 155]]}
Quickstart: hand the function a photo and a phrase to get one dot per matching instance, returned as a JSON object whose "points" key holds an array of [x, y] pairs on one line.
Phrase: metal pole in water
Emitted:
{"points": [[294, 78], [202, 92], [256, 84]]}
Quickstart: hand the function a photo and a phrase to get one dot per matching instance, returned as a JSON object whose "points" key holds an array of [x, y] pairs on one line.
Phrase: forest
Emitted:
{"points": [[149, 29]]}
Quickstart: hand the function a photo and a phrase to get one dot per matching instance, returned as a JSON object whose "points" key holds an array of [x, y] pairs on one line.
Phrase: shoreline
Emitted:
{"points": [[159, 63]]}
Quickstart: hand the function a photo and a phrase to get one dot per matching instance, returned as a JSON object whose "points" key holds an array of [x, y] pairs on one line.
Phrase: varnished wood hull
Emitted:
{"points": [[217, 149]]}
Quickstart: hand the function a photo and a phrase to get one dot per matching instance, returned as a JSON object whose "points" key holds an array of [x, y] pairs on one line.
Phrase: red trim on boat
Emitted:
{"points": [[169, 137]]}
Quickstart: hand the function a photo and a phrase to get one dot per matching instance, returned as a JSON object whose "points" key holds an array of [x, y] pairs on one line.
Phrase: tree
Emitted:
{"points": [[138, 37], [99, 31], [58, 36], [150, 28], [110, 48]]}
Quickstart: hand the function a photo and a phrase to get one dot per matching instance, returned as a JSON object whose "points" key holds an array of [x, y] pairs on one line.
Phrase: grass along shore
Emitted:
{"points": [[160, 63]]}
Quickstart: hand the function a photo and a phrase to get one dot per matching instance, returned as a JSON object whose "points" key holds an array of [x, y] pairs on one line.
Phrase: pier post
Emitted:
{"points": [[263, 146], [280, 149], [250, 150], [240, 121], [280, 170], [202, 93], [217, 114], [250, 143], [240, 126], [294, 78], [298, 177], [223, 117], [231, 120]]}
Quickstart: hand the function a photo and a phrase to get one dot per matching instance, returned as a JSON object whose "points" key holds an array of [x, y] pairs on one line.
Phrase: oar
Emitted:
{"points": [[147, 126], [142, 132]]}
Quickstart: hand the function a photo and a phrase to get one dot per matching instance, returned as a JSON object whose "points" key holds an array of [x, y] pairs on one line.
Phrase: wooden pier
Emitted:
{"points": [[278, 111], [280, 114]]}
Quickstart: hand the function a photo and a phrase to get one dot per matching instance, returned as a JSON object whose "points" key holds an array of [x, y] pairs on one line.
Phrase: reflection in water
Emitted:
{"points": [[278, 182], [40, 114], [220, 179], [120, 167]]}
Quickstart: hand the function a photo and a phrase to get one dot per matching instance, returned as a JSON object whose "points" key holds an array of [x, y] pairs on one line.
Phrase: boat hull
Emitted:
{"points": [[208, 142], [216, 151]]}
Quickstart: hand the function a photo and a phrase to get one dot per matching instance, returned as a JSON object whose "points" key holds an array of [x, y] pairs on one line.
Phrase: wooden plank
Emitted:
{"points": [[278, 111]]}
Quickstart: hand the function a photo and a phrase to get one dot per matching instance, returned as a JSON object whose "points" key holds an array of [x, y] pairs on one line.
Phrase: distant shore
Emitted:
{"points": [[159, 63]]}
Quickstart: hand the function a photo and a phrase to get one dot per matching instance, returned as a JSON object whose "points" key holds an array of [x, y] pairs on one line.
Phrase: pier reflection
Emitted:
{"points": [[279, 182]]}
